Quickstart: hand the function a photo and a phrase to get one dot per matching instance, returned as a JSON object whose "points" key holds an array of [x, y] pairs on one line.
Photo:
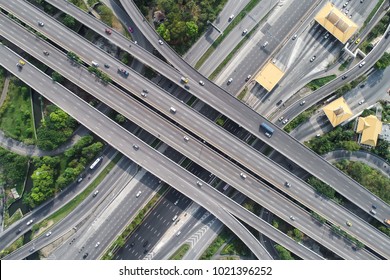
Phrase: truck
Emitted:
{"points": [[184, 80], [268, 131]]}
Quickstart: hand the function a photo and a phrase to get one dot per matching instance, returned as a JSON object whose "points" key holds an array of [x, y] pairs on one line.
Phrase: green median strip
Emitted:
{"points": [[179, 254], [226, 32]]}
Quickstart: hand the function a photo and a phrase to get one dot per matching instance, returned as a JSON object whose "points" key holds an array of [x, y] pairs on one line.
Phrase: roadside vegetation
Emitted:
{"points": [[184, 21], [123, 238], [16, 113], [56, 128], [301, 118], [237, 19], [52, 174], [376, 31], [372, 13], [179, 254], [317, 83], [284, 254], [383, 62], [2, 78], [385, 111]]}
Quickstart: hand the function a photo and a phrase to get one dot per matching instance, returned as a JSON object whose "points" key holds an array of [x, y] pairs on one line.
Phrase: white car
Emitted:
{"points": [[281, 118], [244, 32], [30, 222], [176, 202], [285, 121], [97, 244], [138, 194], [361, 102], [201, 83], [313, 58], [295, 36], [362, 64], [48, 234], [292, 218], [231, 17], [230, 81], [302, 103], [160, 42]]}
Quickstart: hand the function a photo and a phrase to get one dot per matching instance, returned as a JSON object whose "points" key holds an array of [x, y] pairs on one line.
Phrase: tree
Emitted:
{"points": [[120, 118], [383, 62], [284, 254], [57, 77], [297, 235], [69, 21], [192, 29]]}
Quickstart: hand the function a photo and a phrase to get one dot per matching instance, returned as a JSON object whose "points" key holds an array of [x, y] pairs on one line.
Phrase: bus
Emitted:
{"points": [[96, 162], [268, 131]]}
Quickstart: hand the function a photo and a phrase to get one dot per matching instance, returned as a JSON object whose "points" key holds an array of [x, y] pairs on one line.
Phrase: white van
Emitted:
{"points": [[173, 110], [174, 218], [95, 64]]}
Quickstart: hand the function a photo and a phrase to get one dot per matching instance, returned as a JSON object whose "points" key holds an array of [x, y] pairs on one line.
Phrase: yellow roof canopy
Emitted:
{"points": [[370, 128], [269, 76], [338, 111], [337, 23]]}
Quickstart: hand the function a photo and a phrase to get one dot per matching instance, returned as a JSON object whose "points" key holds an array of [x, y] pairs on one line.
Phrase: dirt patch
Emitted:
{"points": [[46, 251]]}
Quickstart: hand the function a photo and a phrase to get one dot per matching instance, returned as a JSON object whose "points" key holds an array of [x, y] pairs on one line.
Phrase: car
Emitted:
{"points": [[373, 212], [85, 256], [132, 244], [281, 118], [362, 64], [135, 147], [248, 78], [269, 135], [201, 83], [362, 85], [374, 206], [361, 1], [284, 121], [327, 35], [176, 202], [318, 135], [387, 34], [138, 194], [41, 24], [346, 11], [243, 176], [295, 36], [21, 63], [79, 179], [313, 58], [186, 138], [48, 234], [357, 41], [302, 103], [145, 90], [344, 77], [279, 102], [244, 32], [199, 183], [97, 244], [292, 218], [361, 102], [95, 193], [345, 4], [186, 86], [172, 110], [30, 222], [174, 218], [350, 16], [160, 42], [349, 223], [131, 30], [19, 230], [108, 31], [231, 17], [265, 44], [145, 243], [45, 52], [230, 81], [178, 233], [287, 184], [106, 65], [32, 249]]}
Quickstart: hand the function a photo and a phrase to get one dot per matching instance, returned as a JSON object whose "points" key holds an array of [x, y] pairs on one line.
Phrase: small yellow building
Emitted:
{"points": [[370, 128], [338, 111], [337, 23], [269, 76]]}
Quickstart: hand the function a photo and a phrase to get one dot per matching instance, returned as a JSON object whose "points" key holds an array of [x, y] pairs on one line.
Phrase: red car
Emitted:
{"points": [[131, 30], [108, 31]]}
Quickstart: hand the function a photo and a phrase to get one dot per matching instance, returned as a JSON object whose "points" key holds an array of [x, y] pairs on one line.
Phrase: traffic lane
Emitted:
{"points": [[149, 161], [12, 233], [151, 122]]}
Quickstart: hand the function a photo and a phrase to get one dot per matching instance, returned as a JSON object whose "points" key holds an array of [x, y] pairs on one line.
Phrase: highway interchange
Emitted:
{"points": [[172, 137]]}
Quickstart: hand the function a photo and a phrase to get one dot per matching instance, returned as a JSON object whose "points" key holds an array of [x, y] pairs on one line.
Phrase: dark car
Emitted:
{"points": [[146, 243], [279, 102], [131, 30], [344, 77], [387, 34], [187, 86], [85, 256]]}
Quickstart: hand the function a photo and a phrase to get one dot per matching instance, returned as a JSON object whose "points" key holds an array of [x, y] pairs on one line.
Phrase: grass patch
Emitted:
{"points": [[226, 32], [17, 244], [301, 118], [242, 93], [2, 78], [15, 114], [344, 65], [368, 19], [221, 239], [317, 83], [64, 211], [15, 217], [80, 4], [178, 255]]}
